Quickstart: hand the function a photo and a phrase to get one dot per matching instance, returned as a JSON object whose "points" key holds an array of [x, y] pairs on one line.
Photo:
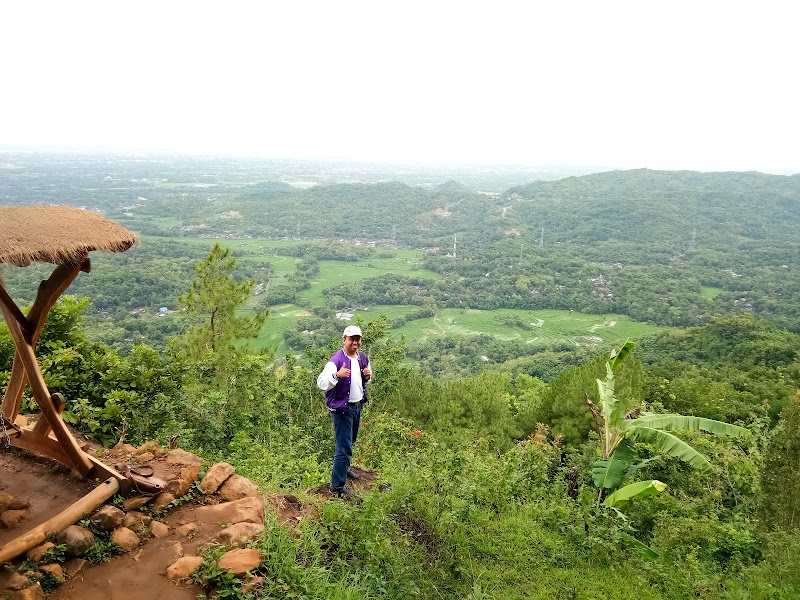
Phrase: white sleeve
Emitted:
{"points": [[327, 379]]}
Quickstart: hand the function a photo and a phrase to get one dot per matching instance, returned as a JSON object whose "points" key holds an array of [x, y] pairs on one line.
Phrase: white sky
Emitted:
{"points": [[699, 85]]}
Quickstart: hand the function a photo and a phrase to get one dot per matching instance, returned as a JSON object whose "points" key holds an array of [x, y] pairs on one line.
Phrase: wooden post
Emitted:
{"points": [[24, 350], [48, 294]]}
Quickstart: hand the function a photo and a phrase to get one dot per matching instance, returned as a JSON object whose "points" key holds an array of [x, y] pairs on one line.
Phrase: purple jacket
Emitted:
{"points": [[337, 397]]}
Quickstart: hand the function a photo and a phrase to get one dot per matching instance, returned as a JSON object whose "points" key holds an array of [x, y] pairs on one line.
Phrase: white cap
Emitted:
{"points": [[352, 330]]}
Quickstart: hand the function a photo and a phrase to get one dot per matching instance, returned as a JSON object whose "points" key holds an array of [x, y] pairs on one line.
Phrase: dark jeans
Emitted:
{"points": [[345, 428]]}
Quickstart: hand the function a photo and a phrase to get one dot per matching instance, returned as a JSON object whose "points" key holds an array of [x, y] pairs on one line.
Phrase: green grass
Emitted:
{"points": [[546, 326], [710, 292], [334, 272]]}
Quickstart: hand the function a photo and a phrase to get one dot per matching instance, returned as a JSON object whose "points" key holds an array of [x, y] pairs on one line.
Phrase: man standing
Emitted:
{"points": [[344, 380]]}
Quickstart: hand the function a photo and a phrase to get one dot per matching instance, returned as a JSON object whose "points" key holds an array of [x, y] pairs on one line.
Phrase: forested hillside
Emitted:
{"points": [[519, 461]]}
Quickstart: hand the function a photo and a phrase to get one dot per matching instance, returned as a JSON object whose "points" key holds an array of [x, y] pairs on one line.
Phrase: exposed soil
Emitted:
{"points": [[48, 486], [141, 573]]}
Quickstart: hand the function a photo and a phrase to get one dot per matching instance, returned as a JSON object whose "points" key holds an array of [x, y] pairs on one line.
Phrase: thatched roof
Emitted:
{"points": [[56, 234]]}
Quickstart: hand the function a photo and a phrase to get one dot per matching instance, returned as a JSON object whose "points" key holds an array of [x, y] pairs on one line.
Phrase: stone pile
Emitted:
{"points": [[229, 499], [12, 510], [243, 513]]}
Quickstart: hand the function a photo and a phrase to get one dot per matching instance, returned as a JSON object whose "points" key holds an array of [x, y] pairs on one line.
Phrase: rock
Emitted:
{"points": [[16, 581], [177, 550], [136, 520], [237, 487], [162, 501], [182, 457], [108, 518], [158, 529], [5, 501], [240, 561], [152, 447], [215, 476], [239, 534], [130, 449], [77, 539], [177, 487], [187, 530], [39, 551], [136, 502], [54, 569], [145, 457], [19, 504], [12, 518], [75, 566], [191, 472], [253, 583], [246, 510], [125, 539], [35, 592], [183, 567]]}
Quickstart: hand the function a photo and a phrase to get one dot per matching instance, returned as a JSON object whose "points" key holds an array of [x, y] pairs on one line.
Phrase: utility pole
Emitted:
{"points": [[394, 232], [541, 239], [298, 230], [454, 246]]}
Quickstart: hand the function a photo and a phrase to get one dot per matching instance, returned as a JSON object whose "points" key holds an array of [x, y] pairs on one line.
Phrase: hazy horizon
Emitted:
{"points": [[626, 85]]}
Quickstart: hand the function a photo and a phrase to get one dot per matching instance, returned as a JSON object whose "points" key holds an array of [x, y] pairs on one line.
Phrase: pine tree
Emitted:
{"points": [[216, 296]]}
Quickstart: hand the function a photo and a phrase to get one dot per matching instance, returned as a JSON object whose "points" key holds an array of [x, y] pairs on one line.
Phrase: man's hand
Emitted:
{"points": [[343, 372], [367, 373]]}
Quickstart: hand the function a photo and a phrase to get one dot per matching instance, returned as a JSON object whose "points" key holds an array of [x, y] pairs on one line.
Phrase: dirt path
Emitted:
{"points": [[48, 487], [141, 573]]}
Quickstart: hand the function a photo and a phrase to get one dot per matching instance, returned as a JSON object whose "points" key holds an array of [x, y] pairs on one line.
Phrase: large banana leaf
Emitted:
{"points": [[631, 542], [617, 356], [635, 490], [609, 472], [672, 421], [668, 444], [612, 409]]}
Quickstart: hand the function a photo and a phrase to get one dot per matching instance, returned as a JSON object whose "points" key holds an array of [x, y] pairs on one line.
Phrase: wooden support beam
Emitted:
{"points": [[77, 459], [44, 445], [48, 446], [42, 427], [14, 313], [64, 519], [48, 294]]}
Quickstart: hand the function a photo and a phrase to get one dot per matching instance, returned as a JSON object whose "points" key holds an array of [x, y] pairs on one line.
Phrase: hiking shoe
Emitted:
{"points": [[343, 493], [352, 474]]}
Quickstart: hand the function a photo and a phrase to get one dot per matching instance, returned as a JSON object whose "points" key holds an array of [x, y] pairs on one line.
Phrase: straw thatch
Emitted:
{"points": [[56, 234]]}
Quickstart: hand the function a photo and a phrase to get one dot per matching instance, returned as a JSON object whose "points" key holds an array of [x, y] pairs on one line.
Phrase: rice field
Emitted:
{"points": [[540, 327]]}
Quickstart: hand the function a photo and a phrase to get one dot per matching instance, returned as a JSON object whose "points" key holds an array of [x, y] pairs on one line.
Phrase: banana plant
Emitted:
{"points": [[618, 430]]}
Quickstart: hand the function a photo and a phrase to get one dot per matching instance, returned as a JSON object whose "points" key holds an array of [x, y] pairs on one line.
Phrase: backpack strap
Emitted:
{"points": [[361, 358]]}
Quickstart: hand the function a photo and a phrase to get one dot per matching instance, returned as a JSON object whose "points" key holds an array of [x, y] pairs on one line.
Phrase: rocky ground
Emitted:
{"points": [[145, 547]]}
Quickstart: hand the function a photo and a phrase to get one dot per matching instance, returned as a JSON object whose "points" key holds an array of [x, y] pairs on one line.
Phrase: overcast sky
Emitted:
{"points": [[696, 85]]}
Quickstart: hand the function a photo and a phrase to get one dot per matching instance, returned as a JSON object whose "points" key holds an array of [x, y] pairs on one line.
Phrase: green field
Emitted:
{"points": [[710, 292], [542, 326], [539, 328]]}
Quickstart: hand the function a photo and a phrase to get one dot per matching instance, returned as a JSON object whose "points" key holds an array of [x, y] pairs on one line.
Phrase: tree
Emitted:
{"points": [[216, 296]]}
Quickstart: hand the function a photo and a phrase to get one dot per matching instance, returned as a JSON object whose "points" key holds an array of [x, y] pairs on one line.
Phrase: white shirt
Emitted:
{"points": [[327, 380]]}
